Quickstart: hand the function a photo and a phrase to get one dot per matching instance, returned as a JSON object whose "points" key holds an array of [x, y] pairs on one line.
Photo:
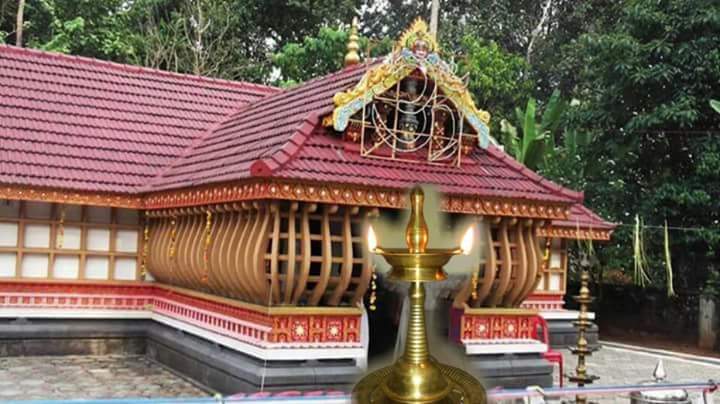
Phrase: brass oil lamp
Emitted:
{"points": [[417, 377]]}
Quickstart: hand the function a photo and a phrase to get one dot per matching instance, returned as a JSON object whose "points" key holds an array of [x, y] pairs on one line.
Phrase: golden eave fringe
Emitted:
{"points": [[293, 191]]}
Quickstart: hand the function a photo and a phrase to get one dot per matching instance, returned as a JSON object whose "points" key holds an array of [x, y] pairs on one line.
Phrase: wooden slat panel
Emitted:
{"points": [[241, 279], [233, 253], [520, 268], [506, 269], [305, 251], [162, 265], [224, 219], [490, 268], [274, 252], [292, 260], [533, 263], [346, 270], [257, 256], [326, 265]]}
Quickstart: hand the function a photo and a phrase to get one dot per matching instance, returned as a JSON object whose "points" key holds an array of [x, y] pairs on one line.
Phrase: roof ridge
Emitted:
{"points": [[128, 68], [555, 188], [265, 166]]}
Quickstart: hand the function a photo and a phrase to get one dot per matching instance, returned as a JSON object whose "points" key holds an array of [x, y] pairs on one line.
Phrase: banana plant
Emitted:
{"points": [[715, 104], [537, 138]]}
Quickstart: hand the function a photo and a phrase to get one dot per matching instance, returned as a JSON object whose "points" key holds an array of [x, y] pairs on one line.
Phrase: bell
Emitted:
{"points": [[409, 123]]}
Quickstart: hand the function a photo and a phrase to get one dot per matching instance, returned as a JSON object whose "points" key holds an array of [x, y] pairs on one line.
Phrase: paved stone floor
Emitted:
{"points": [[623, 366], [72, 377]]}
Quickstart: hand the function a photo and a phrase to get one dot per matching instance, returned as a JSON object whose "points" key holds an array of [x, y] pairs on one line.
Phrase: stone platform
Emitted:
{"points": [[212, 366], [563, 333]]}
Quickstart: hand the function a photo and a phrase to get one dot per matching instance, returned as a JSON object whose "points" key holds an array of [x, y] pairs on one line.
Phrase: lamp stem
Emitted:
{"points": [[416, 347]]}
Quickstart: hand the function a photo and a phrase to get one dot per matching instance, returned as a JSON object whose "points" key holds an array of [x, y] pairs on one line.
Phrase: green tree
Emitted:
{"points": [[319, 55], [643, 88], [496, 78], [536, 143], [91, 28]]}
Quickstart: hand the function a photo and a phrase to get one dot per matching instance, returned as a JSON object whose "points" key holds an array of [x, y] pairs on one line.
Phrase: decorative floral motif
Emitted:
{"points": [[498, 326]]}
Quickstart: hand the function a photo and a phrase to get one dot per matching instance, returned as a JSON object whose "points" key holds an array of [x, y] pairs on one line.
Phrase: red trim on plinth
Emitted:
{"points": [[263, 329], [544, 302]]}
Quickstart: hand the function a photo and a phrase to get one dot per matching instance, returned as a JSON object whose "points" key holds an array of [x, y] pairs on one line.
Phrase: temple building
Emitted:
{"points": [[219, 226]]}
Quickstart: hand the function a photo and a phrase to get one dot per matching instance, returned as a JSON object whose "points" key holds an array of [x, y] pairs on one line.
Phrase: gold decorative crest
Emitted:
{"points": [[418, 31], [415, 51]]}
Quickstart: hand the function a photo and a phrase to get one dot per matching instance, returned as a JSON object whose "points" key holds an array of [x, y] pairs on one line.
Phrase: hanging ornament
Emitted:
{"points": [[546, 255], [474, 284], [373, 291], [206, 247], [146, 247], [173, 235], [60, 239], [639, 257]]}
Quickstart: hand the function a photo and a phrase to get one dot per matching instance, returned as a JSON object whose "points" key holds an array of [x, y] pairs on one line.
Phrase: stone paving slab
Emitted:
{"points": [[617, 366], [76, 377], [134, 376]]}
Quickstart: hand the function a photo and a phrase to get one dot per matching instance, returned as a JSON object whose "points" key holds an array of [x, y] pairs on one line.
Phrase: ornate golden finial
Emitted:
{"points": [[416, 234], [352, 57]]}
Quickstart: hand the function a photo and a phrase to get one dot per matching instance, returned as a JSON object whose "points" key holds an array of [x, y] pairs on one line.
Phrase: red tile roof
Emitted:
{"points": [[83, 124], [77, 123], [271, 130], [581, 216], [282, 136]]}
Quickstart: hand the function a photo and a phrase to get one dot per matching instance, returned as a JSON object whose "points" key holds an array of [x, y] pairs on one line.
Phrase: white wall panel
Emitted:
{"points": [[126, 241], [555, 282], [34, 266], [555, 259], [97, 267], [125, 269], [37, 235], [71, 238], [98, 239], [66, 267], [8, 234], [7, 265]]}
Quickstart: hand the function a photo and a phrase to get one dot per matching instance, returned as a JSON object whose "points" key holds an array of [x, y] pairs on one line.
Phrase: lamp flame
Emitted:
{"points": [[371, 239], [467, 241]]}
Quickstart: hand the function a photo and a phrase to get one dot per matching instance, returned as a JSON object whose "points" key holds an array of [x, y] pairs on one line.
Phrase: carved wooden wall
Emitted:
{"points": [[265, 252], [512, 268], [554, 275]]}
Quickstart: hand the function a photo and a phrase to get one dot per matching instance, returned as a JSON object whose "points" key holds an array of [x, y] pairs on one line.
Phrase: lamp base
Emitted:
{"points": [[464, 388]]}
